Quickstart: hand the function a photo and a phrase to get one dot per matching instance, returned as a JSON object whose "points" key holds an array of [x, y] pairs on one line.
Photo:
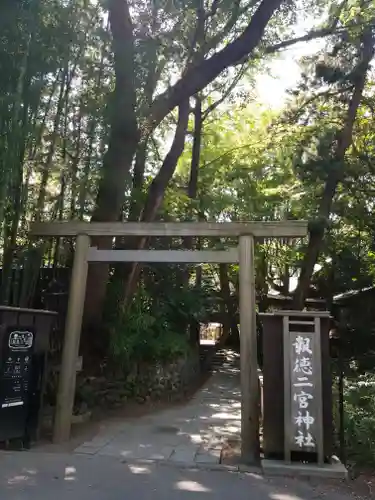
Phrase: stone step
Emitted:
{"points": [[217, 358]]}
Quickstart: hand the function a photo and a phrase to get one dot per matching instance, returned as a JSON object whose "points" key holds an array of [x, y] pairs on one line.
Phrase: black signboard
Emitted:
{"points": [[15, 372]]}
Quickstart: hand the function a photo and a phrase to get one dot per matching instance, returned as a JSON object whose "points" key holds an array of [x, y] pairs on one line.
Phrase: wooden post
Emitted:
{"points": [[287, 390], [73, 324], [317, 341], [249, 363]]}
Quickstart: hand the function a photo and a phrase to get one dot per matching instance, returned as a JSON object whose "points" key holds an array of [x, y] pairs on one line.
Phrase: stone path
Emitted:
{"points": [[59, 476], [191, 434]]}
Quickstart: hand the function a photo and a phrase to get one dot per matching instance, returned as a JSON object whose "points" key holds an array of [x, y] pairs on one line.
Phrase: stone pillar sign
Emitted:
{"points": [[303, 415]]}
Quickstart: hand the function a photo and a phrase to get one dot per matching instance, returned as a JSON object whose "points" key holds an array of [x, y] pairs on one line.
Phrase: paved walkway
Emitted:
{"points": [[58, 476], [191, 434]]}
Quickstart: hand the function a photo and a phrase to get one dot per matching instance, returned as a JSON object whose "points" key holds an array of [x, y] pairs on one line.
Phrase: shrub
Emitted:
{"points": [[144, 334], [360, 419]]}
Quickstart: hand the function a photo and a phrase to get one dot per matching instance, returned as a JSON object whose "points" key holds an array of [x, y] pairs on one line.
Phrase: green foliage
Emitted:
{"points": [[360, 420], [143, 338], [144, 335], [154, 327]]}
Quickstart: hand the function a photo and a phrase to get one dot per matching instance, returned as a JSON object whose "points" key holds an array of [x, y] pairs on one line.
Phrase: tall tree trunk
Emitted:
{"points": [[32, 145], [39, 137], [60, 202], [11, 184], [195, 159], [153, 72], [157, 189], [75, 161], [84, 181], [13, 155], [93, 123], [62, 103], [51, 149], [230, 312], [335, 174], [25, 199], [138, 181], [196, 152], [12, 220], [261, 285], [192, 194], [122, 145]]}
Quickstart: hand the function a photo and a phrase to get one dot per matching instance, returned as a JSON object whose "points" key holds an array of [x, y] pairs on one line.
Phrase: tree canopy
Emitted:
{"points": [[129, 110]]}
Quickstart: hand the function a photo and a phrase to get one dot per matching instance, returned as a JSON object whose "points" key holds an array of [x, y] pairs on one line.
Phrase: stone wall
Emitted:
{"points": [[145, 382], [172, 377]]}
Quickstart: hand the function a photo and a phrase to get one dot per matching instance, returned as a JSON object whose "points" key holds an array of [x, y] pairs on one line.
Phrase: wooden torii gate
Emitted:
{"points": [[247, 232]]}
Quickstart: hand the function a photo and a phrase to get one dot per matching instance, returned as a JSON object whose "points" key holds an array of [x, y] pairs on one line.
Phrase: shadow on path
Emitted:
{"points": [[192, 433]]}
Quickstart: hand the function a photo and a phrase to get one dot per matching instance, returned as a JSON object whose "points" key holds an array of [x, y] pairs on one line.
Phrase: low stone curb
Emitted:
{"points": [[195, 465], [239, 468]]}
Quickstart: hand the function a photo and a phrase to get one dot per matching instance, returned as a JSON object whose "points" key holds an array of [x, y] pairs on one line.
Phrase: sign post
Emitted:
{"points": [[303, 409]]}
